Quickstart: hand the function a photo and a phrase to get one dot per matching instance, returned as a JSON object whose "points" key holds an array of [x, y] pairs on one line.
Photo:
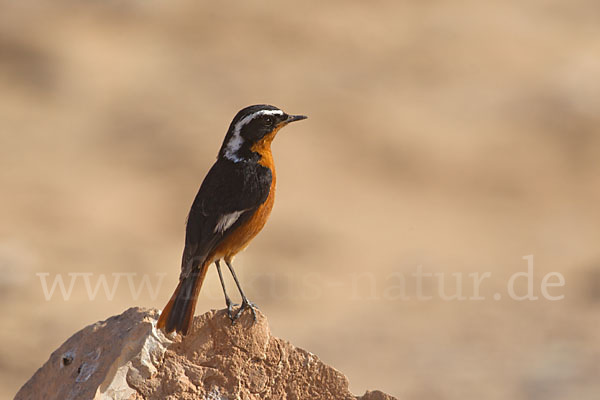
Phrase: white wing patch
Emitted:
{"points": [[236, 140], [227, 220]]}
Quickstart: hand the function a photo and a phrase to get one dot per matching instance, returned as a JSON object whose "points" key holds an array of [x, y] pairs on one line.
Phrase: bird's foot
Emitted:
{"points": [[230, 308], [245, 305]]}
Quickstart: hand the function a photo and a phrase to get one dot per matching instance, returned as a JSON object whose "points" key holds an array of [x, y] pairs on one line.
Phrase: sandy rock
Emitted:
{"points": [[126, 357]]}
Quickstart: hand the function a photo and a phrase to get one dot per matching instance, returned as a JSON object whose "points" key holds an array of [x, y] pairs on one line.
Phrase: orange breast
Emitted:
{"points": [[239, 239]]}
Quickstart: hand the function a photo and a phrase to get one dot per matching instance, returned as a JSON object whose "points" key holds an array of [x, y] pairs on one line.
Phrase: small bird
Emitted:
{"points": [[230, 209]]}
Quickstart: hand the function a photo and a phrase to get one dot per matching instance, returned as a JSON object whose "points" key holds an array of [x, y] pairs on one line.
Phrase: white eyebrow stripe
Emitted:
{"points": [[250, 117], [236, 140]]}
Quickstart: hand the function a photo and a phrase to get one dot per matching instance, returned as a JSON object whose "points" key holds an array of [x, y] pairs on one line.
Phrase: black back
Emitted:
{"points": [[227, 188]]}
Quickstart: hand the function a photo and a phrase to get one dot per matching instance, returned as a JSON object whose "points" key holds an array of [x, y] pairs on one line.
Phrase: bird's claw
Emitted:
{"points": [[230, 307], [245, 304]]}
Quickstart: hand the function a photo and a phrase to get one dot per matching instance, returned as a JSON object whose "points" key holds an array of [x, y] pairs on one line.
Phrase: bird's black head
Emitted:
{"points": [[250, 126]]}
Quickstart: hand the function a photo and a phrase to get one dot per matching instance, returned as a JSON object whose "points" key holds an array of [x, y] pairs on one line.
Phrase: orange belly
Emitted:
{"points": [[239, 239]]}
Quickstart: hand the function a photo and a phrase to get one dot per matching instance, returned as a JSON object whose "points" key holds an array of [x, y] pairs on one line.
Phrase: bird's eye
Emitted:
{"points": [[269, 121]]}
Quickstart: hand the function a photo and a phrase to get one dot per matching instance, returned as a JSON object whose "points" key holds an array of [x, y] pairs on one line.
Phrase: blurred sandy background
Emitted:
{"points": [[459, 136]]}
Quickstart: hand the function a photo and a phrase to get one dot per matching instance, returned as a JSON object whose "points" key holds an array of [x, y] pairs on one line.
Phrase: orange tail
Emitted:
{"points": [[179, 311]]}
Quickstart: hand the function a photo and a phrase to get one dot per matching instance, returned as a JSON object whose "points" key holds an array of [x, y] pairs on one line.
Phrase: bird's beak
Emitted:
{"points": [[292, 118]]}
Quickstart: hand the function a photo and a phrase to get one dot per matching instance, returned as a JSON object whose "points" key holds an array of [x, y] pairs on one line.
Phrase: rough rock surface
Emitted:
{"points": [[126, 357]]}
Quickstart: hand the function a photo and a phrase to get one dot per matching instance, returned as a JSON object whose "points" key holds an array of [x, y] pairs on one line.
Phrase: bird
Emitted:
{"points": [[231, 207]]}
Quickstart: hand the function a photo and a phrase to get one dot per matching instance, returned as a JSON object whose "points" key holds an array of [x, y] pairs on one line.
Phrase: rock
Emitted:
{"points": [[126, 357]]}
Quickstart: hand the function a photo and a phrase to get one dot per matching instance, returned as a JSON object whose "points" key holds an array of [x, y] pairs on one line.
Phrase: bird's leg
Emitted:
{"points": [[228, 301], [245, 302]]}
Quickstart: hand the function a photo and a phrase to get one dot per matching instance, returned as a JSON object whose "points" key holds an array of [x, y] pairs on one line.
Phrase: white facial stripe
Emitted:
{"points": [[236, 140], [250, 117]]}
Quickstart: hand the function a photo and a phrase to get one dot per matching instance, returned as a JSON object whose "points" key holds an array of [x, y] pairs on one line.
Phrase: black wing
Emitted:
{"points": [[229, 189]]}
